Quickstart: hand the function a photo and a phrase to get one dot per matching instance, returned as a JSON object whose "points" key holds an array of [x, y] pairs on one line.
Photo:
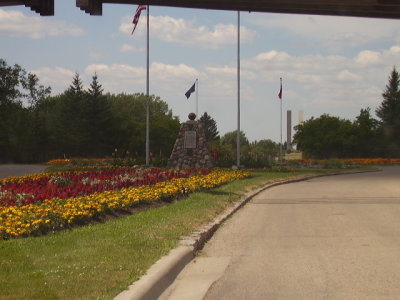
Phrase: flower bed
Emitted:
{"points": [[31, 217], [37, 188], [345, 162]]}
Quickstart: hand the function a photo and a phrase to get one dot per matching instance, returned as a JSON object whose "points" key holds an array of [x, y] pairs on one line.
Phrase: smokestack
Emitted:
{"points": [[301, 117]]}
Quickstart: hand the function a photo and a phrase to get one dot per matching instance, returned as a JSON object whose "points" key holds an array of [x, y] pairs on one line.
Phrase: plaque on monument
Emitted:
{"points": [[190, 140]]}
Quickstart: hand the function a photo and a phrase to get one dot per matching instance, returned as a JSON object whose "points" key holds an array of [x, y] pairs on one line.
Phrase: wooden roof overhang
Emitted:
{"points": [[389, 9]]}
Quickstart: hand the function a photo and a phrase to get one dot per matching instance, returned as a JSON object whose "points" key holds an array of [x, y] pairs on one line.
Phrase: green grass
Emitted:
{"points": [[98, 261]]}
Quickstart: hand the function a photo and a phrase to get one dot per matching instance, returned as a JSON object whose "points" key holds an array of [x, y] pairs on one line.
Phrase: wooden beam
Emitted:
{"points": [[358, 8], [92, 7]]}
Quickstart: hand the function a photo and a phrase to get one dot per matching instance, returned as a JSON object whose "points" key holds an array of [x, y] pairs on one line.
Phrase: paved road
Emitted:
{"points": [[19, 170], [332, 237]]}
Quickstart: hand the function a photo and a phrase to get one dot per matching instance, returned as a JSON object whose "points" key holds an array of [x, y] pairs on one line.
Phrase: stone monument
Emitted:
{"points": [[191, 147]]}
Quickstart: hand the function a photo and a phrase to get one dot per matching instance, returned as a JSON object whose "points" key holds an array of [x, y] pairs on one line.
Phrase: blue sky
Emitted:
{"points": [[334, 65]]}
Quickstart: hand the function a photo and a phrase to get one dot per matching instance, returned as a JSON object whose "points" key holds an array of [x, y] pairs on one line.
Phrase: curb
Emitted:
{"points": [[163, 273]]}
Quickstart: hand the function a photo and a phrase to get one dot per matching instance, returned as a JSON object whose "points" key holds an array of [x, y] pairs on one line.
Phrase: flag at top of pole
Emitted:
{"points": [[136, 17], [280, 91], [191, 90]]}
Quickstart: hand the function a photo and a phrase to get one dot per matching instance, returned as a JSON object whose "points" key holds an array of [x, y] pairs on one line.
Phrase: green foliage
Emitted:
{"points": [[210, 128], [325, 137], [253, 155], [20, 126], [389, 114], [78, 122], [130, 112]]}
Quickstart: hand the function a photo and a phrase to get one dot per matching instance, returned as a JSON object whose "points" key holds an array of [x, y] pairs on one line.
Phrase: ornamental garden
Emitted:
{"points": [[41, 203]]}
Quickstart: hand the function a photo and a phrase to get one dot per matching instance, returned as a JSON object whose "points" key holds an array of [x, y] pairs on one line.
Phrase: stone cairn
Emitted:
{"points": [[191, 147]]}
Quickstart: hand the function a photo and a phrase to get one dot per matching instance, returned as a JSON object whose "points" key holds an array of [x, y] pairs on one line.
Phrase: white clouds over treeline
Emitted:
{"points": [[332, 65]]}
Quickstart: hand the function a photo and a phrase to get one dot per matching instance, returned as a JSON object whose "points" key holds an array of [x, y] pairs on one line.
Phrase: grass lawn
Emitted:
{"points": [[99, 261]]}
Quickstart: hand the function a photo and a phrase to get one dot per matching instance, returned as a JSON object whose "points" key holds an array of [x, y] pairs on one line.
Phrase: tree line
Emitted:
{"points": [[88, 123], [365, 137], [79, 123]]}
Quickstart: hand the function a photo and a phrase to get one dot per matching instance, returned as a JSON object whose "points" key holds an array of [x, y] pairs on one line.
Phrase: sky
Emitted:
{"points": [[328, 65]]}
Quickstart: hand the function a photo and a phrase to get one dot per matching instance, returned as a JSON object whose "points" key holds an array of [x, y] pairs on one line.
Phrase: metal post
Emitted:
{"points": [[147, 93], [238, 93], [197, 98], [280, 148]]}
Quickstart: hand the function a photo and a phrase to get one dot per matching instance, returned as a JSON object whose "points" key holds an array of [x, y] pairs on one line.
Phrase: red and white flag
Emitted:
{"points": [[137, 16]]}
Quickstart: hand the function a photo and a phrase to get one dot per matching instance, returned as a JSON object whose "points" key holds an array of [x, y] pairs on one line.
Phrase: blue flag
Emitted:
{"points": [[190, 91]]}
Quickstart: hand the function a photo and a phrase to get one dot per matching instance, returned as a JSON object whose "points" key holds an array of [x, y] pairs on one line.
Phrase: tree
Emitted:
{"points": [[389, 113], [99, 120], [72, 127], [228, 146], [325, 137], [129, 113], [261, 154], [19, 126], [10, 80], [36, 92], [267, 147], [367, 137], [230, 139], [210, 127]]}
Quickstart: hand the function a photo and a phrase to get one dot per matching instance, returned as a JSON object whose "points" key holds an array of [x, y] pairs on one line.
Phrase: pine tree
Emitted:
{"points": [[95, 89], [72, 124], [210, 127], [99, 121], [389, 113], [76, 87]]}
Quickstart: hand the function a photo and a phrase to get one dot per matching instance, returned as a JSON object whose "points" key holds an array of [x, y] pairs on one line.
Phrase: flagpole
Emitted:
{"points": [[280, 148], [238, 93], [197, 98], [147, 93]]}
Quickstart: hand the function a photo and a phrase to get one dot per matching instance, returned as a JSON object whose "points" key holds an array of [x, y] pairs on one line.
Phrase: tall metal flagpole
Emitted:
{"points": [[280, 148], [197, 98], [147, 94], [238, 93]]}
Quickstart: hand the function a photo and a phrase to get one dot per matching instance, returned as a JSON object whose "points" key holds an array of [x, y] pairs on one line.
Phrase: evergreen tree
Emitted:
{"points": [[95, 89], [99, 120], [76, 87], [366, 137], [389, 113], [72, 125], [210, 127]]}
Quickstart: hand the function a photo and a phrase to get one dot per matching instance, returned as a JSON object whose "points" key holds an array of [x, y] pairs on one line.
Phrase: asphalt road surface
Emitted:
{"points": [[334, 237], [19, 170]]}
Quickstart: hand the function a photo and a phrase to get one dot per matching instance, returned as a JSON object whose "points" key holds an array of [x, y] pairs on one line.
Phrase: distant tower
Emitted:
{"points": [[289, 130], [301, 117]]}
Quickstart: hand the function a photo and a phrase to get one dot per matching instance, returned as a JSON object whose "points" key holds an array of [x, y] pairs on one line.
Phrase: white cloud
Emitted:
{"points": [[130, 48], [367, 57], [57, 78], [187, 33], [166, 71], [331, 31], [327, 83], [95, 55], [230, 72], [346, 76], [16, 24]]}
